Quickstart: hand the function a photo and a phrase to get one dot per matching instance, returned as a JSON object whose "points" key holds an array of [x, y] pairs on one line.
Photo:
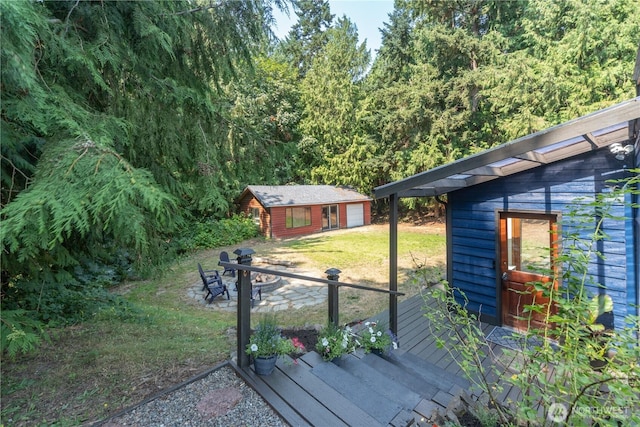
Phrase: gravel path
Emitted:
{"points": [[219, 399]]}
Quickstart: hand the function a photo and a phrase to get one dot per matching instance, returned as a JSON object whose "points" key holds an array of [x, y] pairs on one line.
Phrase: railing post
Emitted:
{"points": [[393, 263], [334, 315], [244, 306]]}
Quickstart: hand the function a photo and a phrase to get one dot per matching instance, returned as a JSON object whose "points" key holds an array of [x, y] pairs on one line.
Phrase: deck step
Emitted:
{"points": [[342, 408], [400, 375], [363, 396], [364, 390], [275, 400], [426, 370], [351, 388], [305, 405], [392, 390]]}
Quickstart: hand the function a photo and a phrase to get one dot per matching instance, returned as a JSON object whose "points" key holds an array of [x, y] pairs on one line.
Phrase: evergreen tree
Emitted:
{"points": [[572, 58], [113, 119], [308, 36], [265, 113], [480, 73], [330, 92], [396, 53]]}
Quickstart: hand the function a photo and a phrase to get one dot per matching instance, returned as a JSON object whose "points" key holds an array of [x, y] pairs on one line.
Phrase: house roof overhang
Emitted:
{"points": [[615, 124]]}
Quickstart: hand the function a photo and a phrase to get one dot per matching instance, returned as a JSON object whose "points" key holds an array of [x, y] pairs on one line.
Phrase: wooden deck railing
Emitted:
{"points": [[245, 269]]}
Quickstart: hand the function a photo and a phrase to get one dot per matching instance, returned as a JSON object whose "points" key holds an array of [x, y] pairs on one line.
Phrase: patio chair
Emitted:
{"points": [[224, 257], [255, 290], [207, 275], [212, 283]]}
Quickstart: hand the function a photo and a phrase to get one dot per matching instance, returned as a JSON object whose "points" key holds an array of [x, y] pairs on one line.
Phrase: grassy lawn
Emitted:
{"points": [[89, 371]]}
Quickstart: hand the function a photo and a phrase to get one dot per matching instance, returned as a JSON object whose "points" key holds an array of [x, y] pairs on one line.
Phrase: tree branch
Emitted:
{"points": [[197, 9], [66, 20]]}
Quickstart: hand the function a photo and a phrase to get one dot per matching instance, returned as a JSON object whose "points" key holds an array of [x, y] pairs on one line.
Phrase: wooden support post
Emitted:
{"points": [[393, 263], [244, 307], [333, 300]]}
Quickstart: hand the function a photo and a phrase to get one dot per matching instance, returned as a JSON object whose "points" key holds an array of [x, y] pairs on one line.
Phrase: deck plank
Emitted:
{"points": [[306, 405], [290, 415], [428, 371], [416, 338], [363, 396], [395, 373], [392, 390], [349, 413]]}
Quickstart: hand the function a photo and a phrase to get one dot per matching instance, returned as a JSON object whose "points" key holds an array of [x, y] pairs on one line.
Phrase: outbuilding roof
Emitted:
{"points": [[297, 195], [616, 124]]}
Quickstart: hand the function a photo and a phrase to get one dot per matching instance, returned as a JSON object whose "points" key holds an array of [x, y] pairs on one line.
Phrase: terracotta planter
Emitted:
{"points": [[265, 365]]}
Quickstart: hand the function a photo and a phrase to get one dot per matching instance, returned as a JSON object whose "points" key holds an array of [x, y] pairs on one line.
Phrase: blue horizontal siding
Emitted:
{"points": [[476, 243], [483, 221], [472, 252], [633, 252], [479, 303], [487, 270], [474, 283], [551, 188], [465, 232]]}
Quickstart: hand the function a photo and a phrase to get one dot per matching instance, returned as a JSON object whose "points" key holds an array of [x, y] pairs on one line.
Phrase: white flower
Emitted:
{"points": [[395, 345], [373, 338], [379, 333], [254, 347], [367, 323], [370, 330], [325, 342]]}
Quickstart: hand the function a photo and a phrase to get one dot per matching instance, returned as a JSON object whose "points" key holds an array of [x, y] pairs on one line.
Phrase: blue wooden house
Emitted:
{"points": [[506, 207]]}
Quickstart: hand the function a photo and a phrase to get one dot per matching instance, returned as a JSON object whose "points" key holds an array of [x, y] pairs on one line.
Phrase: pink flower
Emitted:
{"points": [[297, 344]]}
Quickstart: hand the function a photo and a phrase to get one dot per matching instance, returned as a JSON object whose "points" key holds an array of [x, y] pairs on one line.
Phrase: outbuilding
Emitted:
{"points": [[283, 211], [506, 207]]}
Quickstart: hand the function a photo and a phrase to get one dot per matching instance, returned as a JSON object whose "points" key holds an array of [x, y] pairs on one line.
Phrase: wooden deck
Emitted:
{"points": [[398, 389]]}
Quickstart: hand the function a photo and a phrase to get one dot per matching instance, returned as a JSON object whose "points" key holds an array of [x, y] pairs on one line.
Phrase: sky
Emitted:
{"points": [[367, 15]]}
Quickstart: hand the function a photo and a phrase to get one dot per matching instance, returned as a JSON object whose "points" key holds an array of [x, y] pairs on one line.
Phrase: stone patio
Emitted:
{"points": [[290, 294]]}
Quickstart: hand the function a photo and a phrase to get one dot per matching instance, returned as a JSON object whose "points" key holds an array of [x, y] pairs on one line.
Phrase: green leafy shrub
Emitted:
{"points": [[211, 233], [66, 296], [20, 332]]}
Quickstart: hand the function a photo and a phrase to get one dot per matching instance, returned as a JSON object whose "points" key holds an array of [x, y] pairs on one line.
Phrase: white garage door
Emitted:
{"points": [[355, 215]]}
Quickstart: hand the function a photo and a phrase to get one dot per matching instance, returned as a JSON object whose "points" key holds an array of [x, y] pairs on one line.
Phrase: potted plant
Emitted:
{"points": [[334, 341], [375, 338], [266, 344]]}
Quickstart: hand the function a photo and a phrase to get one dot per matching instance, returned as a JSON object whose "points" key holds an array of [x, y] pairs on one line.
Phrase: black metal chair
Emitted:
{"points": [[212, 283], [224, 257], [255, 290]]}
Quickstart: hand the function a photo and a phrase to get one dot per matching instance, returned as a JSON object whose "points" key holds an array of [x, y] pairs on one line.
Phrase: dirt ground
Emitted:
{"points": [[307, 337]]}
